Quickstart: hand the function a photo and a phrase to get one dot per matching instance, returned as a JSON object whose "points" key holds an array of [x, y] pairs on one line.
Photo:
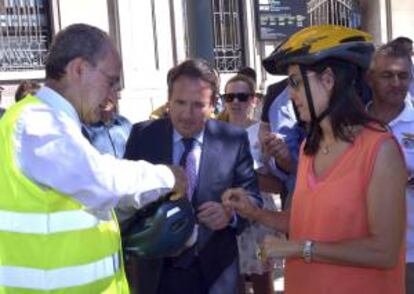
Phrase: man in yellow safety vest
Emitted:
{"points": [[58, 232]]}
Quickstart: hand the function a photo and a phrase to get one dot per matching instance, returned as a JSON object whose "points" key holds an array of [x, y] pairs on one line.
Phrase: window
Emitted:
{"points": [[25, 34], [228, 39], [338, 12]]}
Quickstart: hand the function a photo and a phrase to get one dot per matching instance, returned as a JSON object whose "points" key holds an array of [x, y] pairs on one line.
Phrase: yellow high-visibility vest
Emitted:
{"points": [[49, 242]]}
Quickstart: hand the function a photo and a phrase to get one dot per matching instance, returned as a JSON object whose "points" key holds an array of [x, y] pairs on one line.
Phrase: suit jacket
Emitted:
{"points": [[225, 162]]}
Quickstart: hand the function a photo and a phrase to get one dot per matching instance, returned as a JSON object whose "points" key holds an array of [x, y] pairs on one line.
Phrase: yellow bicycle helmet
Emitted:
{"points": [[313, 44]]}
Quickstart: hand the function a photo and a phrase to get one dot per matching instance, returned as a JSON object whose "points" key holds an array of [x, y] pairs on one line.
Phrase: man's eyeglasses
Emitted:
{"points": [[242, 97], [113, 82]]}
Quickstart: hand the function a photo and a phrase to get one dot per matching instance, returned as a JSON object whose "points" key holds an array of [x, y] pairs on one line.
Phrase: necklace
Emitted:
{"points": [[327, 148]]}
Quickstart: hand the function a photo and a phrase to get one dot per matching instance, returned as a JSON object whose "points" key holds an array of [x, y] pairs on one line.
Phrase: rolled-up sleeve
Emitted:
{"points": [[51, 151]]}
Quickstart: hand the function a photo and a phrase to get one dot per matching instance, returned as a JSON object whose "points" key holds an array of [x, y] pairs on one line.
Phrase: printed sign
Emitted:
{"points": [[278, 19]]}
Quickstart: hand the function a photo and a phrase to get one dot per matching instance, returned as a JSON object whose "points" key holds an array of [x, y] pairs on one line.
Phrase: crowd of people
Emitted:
{"points": [[335, 139]]}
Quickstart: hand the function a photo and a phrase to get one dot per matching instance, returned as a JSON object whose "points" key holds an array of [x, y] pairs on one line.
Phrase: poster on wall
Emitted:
{"points": [[278, 19]]}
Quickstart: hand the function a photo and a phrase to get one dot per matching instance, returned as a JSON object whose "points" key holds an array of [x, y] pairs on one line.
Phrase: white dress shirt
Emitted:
{"points": [[410, 94], [51, 151], [403, 129]]}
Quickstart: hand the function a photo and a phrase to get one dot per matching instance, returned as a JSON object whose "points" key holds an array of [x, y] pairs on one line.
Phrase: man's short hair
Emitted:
{"points": [[77, 40], [197, 69], [393, 50], [402, 40], [25, 88]]}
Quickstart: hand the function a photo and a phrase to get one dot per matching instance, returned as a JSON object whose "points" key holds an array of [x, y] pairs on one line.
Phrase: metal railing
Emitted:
{"points": [[338, 12], [228, 40], [24, 34]]}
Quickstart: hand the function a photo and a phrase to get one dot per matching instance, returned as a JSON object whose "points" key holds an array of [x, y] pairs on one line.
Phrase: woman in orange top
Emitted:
{"points": [[347, 220]]}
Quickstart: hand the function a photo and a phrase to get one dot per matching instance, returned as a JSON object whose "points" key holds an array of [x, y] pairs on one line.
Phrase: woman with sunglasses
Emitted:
{"points": [[240, 102], [347, 221]]}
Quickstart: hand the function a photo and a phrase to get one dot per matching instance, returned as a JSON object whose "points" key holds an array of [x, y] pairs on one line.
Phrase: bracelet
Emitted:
{"points": [[307, 251]]}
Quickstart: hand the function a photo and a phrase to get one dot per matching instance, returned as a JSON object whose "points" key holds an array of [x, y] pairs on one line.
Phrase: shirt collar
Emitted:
{"points": [[406, 115], [58, 103], [114, 120], [198, 137]]}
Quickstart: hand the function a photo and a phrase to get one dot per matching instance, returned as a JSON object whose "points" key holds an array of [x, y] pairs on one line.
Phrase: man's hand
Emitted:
{"points": [[238, 199], [214, 215], [180, 186], [273, 145]]}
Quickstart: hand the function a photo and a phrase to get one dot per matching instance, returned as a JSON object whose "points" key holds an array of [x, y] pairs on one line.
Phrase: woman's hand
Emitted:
{"points": [[273, 145], [277, 247], [238, 199]]}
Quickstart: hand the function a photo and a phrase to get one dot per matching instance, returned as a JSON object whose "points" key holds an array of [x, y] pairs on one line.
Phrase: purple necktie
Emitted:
{"points": [[188, 161]]}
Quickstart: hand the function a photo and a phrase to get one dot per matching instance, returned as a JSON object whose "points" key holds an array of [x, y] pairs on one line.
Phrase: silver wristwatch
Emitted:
{"points": [[307, 251]]}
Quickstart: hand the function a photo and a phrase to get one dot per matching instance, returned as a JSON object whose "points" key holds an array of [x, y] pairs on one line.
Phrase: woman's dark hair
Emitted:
{"points": [[249, 72], [345, 106], [197, 69], [242, 78]]}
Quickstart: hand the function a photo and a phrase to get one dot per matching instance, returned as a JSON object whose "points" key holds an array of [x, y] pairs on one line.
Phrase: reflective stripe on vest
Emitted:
{"points": [[30, 278], [50, 242], [47, 223]]}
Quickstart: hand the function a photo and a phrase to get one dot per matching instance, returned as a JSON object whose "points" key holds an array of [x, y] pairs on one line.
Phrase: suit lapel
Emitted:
{"points": [[167, 142], [159, 147]]}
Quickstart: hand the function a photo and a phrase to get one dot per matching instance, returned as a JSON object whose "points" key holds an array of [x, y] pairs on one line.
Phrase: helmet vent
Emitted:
{"points": [[360, 50], [353, 39]]}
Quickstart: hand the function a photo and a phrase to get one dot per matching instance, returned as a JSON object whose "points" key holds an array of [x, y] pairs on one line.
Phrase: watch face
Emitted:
{"points": [[307, 251]]}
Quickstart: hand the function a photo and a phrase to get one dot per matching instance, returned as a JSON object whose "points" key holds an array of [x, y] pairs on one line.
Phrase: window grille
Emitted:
{"points": [[228, 39], [25, 34], [338, 12]]}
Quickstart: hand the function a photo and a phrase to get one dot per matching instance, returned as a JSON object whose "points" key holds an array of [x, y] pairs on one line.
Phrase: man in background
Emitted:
{"points": [[111, 133], [407, 44], [389, 78]]}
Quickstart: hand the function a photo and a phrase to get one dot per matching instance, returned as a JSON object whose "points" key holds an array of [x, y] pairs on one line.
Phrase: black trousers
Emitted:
{"points": [[175, 280]]}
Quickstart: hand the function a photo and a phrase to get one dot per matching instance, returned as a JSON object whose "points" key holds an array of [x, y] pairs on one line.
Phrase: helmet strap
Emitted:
{"points": [[308, 93], [315, 120]]}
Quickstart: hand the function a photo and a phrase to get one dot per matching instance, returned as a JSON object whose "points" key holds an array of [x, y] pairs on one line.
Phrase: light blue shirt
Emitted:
{"points": [[178, 150], [111, 137], [283, 121]]}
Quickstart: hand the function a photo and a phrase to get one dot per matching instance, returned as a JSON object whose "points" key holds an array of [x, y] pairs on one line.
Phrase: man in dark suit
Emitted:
{"points": [[221, 159]]}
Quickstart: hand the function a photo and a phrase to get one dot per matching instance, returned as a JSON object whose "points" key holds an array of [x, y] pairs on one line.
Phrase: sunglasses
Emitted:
{"points": [[294, 81], [242, 97]]}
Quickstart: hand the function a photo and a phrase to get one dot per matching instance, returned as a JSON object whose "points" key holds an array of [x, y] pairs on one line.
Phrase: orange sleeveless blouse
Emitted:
{"points": [[330, 208]]}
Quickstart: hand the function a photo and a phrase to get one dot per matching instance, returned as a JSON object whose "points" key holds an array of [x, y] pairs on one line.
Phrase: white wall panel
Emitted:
{"points": [[93, 12]]}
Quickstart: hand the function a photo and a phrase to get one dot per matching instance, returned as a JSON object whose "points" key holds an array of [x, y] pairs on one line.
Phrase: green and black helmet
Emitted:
{"points": [[159, 229]]}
